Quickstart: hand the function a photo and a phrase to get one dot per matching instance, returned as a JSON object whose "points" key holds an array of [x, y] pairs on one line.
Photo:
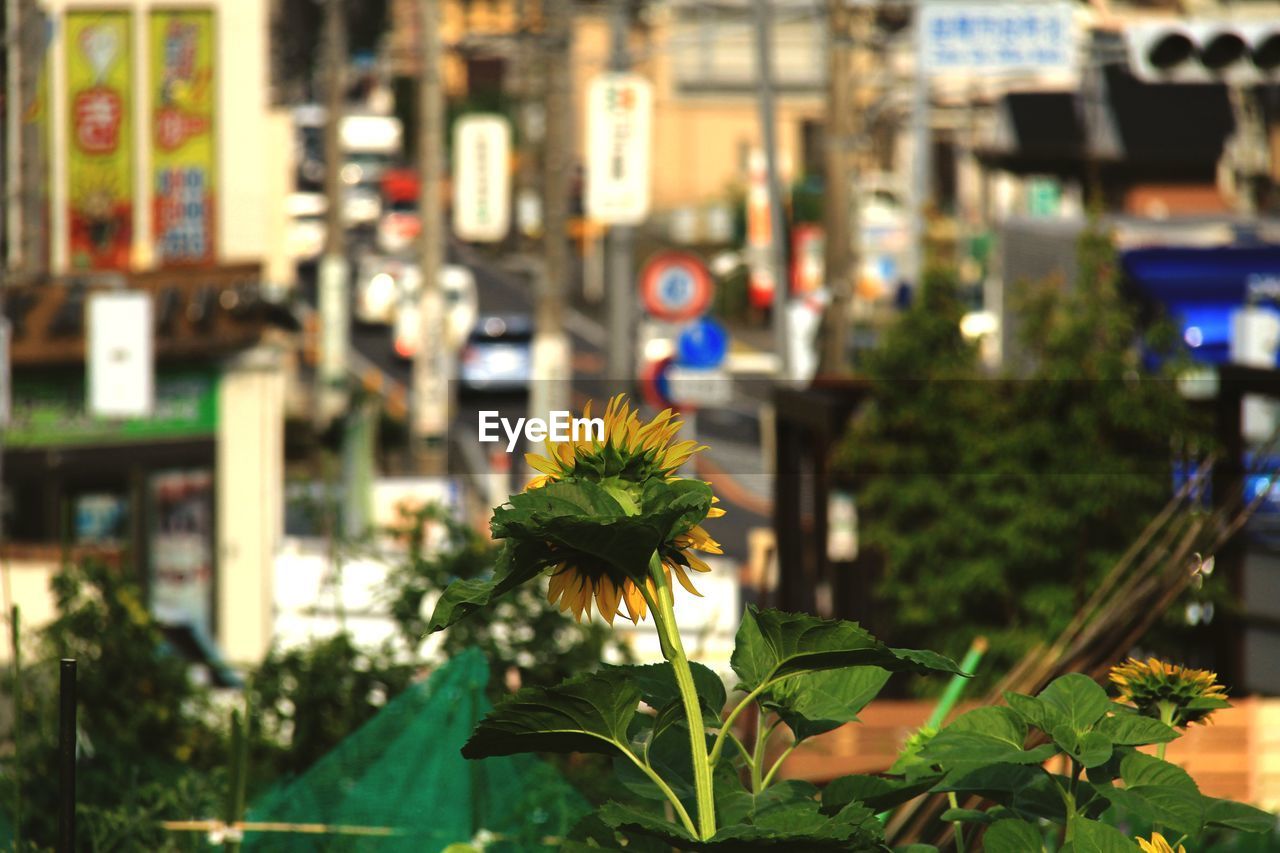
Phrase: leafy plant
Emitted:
{"points": [[997, 759], [525, 634], [611, 524], [996, 501]]}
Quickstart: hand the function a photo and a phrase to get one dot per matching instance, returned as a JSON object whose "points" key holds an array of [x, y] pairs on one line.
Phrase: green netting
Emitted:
{"points": [[403, 770]]}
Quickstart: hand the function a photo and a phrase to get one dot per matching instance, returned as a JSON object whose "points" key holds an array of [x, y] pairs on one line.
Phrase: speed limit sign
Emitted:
{"points": [[676, 286]]}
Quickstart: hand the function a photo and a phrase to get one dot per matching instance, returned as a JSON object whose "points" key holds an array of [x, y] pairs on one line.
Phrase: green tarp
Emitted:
{"points": [[402, 771]]}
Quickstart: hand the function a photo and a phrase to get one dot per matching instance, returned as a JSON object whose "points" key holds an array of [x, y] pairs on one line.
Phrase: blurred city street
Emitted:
{"points": [[969, 312]]}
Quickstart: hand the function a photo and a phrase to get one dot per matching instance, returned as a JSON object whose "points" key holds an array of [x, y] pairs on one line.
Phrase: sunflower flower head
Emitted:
{"points": [[1165, 691], [629, 455], [1157, 844]]}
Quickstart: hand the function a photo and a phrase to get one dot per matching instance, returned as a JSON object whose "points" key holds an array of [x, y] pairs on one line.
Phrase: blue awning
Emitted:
{"points": [[1200, 289], [1224, 275]]}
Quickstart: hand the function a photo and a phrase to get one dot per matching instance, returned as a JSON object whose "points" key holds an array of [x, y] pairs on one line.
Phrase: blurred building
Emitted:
{"points": [[166, 173]]}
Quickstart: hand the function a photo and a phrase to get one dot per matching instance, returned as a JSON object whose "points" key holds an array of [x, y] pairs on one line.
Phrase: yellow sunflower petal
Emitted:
{"points": [[539, 463], [678, 571]]}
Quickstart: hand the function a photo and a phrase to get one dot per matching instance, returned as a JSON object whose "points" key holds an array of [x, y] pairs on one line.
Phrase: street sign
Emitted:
{"points": [[699, 386], [482, 178], [997, 37], [121, 354], [619, 130], [676, 286], [703, 345]]}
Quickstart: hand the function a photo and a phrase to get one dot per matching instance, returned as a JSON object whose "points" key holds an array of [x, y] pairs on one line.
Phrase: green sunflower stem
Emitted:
{"points": [[673, 649]]}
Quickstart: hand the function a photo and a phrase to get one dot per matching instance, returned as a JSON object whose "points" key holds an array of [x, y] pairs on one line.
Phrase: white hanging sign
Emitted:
{"points": [[121, 351], [481, 178], [619, 137]]}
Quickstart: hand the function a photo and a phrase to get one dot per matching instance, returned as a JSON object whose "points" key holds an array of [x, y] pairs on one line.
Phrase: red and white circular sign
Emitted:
{"points": [[676, 286]]}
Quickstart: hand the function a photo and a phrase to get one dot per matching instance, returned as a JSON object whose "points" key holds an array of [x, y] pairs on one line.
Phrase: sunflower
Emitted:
{"points": [[1157, 844], [1175, 694], [629, 454]]}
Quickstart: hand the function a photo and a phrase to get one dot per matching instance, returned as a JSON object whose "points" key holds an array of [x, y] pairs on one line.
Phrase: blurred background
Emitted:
{"points": [[975, 304]]}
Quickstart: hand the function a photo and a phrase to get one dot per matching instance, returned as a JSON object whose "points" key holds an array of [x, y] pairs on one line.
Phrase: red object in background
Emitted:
{"points": [[98, 113], [653, 383], [676, 286], [760, 288], [400, 185], [807, 262]]}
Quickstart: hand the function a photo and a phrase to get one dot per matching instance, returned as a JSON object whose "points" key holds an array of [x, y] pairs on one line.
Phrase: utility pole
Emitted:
{"points": [[920, 165], [334, 283], [551, 349], [532, 125], [778, 228], [24, 167], [432, 364], [621, 293], [839, 261]]}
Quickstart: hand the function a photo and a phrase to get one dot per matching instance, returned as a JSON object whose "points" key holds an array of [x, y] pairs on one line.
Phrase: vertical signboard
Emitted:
{"points": [[121, 355], [619, 122], [182, 128], [100, 152], [759, 233], [182, 548], [482, 178]]}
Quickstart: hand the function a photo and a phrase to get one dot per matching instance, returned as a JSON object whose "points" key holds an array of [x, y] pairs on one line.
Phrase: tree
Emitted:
{"points": [[997, 502]]}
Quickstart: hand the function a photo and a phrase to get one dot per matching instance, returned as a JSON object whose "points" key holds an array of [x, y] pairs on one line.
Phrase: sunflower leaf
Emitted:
{"points": [[1013, 836], [517, 563], [591, 530], [772, 645], [784, 817], [817, 702], [877, 792], [658, 687], [587, 713]]}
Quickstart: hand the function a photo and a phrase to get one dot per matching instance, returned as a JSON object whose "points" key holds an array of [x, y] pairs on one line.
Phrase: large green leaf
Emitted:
{"points": [[1090, 836], [1129, 729], [587, 713], [818, 702], [517, 563], [1013, 836], [1028, 792], [772, 645], [1159, 793], [658, 687], [1232, 815], [879, 793], [785, 817], [588, 521], [984, 736], [1078, 699]]}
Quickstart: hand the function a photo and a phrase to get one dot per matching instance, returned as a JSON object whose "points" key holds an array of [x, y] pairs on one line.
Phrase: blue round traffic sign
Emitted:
{"points": [[705, 344]]}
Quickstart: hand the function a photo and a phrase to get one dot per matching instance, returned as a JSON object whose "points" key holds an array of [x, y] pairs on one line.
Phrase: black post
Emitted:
{"points": [[67, 757]]}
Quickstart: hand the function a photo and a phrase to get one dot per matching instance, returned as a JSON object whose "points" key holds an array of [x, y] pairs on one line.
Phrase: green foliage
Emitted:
{"points": [[308, 699], [522, 632], [150, 744], [997, 502], [985, 753]]}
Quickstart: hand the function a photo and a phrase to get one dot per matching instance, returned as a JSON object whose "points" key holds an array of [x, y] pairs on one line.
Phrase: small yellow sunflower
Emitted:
{"points": [[630, 454], [1175, 694], [1157, 844]]}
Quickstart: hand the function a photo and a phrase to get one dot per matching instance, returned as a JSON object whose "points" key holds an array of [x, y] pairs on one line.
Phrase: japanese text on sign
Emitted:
{"points": [[996, 37]]}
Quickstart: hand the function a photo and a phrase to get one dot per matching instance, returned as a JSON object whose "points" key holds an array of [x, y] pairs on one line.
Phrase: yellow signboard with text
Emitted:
{"points": [[182, 127], [100, 167]]}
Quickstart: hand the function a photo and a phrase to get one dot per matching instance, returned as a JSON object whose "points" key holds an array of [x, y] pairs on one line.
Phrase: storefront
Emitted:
{"points": [[189, 499]]}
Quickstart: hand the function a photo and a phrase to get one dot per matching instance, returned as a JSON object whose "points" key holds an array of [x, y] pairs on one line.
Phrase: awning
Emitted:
{"points": [[1200, 288]]}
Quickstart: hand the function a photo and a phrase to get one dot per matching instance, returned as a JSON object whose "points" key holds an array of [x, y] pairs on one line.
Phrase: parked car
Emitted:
{"points": [[498, 355]]}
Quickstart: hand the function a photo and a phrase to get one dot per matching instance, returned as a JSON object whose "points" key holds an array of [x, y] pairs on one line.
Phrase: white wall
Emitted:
{"points": [[250, 156], [250, 496]]}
